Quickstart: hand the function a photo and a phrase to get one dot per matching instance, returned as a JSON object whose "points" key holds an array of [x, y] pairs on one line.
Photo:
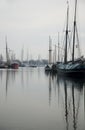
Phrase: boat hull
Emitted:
{"points": [[13, 66], [72, 73], [54, 68], [48, 68], [70, 69]]}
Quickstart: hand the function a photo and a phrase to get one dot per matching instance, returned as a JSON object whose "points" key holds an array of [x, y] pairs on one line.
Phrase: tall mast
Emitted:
{"points": [[50, 50], [6, 49], [27, 55], [58, 46], [65, 55], [22, 53], [74, 31], [7, 54], [55, 53]]}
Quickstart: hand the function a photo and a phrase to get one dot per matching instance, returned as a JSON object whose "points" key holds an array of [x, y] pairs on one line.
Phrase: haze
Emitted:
{"points": [[28, 24]]}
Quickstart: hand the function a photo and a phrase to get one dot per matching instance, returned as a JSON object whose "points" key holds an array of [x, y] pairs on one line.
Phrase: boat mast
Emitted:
{"points": [[74, 31], [27, 55], [55, 54], [65, 55], [22, 53], [7, 54], [58, 46], [50, 50]]}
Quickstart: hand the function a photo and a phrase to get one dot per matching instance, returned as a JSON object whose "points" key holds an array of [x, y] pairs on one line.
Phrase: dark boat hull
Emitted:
{"points": [[72, 73], [48, 68], [71, 69], [13, 66]]}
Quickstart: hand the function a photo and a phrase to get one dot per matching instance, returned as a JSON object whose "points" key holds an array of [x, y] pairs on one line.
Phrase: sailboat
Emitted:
{"points": [[54, 66], [49, 65], [9, 63], [74, 66]]}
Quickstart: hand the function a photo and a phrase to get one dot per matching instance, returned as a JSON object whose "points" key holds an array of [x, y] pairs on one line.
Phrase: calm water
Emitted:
{"points": [[31, 99]]}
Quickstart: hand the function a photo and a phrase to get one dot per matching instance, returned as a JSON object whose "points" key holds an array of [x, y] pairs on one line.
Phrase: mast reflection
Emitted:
{"points": [[1, 74], [10, 78], [70, 90], [50, 89], [84, 102], [74, 118], [73, 89], [7, 78], [66, 107], [52, 83]]}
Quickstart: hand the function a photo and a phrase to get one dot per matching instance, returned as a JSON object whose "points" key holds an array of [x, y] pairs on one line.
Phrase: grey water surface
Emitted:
{"points": [[31, 99]]}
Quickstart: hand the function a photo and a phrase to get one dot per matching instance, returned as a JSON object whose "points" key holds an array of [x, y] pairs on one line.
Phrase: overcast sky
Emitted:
{"points": [[28, 24]]}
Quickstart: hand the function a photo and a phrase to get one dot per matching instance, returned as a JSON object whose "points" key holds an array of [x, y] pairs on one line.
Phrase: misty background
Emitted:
{"points": [[28, 24]]}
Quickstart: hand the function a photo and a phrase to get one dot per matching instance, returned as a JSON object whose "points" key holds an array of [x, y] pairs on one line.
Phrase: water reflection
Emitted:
{"points": [[67, 104], [1, 74], [50, 89], [10, 78], [84, 101], [7, 77], [66, 107], [38, 100], [72, 99], [72, 92], [52, 83]]}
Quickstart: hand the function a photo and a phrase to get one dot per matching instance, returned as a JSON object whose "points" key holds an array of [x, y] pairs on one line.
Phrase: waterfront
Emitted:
{"points": [[31, 99]]}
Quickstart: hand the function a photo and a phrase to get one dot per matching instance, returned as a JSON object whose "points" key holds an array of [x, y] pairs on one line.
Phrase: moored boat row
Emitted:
{"points": [[75, 66]]}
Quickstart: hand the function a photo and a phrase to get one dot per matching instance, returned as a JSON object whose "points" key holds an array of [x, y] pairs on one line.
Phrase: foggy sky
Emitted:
{"points": [[28, 24]]}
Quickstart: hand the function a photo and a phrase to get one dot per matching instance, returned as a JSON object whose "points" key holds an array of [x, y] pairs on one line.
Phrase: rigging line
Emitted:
{"points": [[78, 41], [69, 47], [64, 48], [70, 40]]}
